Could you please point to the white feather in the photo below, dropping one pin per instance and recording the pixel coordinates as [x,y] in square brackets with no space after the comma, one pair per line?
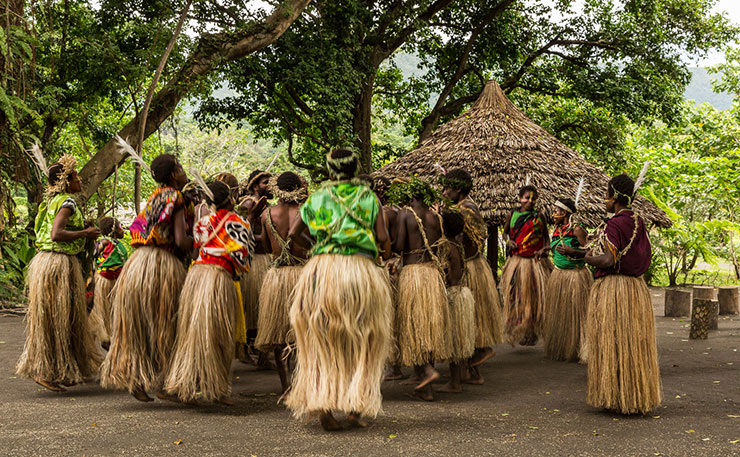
[38,158]
[529,179]
[272,162]
[123,145]
[641,177]
[579,190]
[440,168]
[201,182]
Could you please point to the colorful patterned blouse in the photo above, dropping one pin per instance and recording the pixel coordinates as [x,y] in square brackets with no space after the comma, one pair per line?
[526,230]
[48,210]
[565,235]
[110,259]
[226,240]
[154,225]
[341,216]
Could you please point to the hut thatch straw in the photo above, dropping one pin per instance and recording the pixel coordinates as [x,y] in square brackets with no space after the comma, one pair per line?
[499,146]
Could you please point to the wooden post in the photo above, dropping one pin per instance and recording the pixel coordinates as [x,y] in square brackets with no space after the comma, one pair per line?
[714,315]
[700,319]
[728,300]
[677,302]
[705,292]
[492,248]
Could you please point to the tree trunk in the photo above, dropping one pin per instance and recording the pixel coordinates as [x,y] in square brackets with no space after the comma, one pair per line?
[362,125]
[211,52]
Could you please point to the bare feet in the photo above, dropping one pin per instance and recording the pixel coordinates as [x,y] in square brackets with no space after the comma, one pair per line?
[69,383]
[162,395]
[355,420]
[263,363]
[482,356]
[329,423]
[431,376]
[141,395]
[450,388]
[52,386]
[393,373]
[226,401]
[475,377]
[425,394]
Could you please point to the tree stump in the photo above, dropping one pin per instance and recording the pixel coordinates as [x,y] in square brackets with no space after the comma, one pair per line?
[705,292]
[728,300]
[677,303]
[700,319]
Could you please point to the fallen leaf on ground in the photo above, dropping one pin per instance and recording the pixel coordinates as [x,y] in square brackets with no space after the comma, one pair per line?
[734,441]
[532,427]
[391,436]
[595,433]
[94,424]
[705,439]
[259,395]
[715,382]
[690,431]
[505,414]
[177,443]
[734,416]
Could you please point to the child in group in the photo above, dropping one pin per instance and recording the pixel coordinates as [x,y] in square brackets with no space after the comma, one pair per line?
[110,256]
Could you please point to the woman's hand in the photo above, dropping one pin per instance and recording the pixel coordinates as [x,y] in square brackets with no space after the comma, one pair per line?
[91,233]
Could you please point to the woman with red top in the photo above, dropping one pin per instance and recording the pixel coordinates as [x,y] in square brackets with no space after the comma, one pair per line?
[209,302]
[146,293]
[623,373]
[524,277]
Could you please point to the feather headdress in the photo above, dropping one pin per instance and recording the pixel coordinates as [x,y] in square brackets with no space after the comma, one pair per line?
[125,147]
[38,158]
[529,180]
[641,177]
[198,178]
[579,190]
[440,168]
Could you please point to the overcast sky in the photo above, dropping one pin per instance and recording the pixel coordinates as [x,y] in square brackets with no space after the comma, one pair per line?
[732,8]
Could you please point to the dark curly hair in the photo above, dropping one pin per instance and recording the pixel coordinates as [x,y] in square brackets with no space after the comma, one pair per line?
[289,181]
[221,194]
[457,178]
[453,223]
[569,203]
[622,188]
[162,168]
[107,226]
[228,179]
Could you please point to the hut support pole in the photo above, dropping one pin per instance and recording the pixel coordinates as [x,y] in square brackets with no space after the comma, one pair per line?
[493,249]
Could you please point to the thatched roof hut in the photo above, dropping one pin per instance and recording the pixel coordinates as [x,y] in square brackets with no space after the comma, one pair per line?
[499,146]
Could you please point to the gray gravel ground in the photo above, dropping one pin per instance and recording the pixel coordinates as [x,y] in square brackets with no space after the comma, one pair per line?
[528,406]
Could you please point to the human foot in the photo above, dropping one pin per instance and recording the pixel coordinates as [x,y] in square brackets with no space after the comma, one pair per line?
[393,373]
[162,395]
[52,386]
[226,401]
[425,394]
[431,376]
[329,423]
[481,357]
[450,388]
[355,420]
[141,395]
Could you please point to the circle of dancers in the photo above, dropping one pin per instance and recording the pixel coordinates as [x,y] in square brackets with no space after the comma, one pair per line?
[352,282]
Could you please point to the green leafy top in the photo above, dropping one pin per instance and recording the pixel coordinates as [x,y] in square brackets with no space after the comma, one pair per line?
[401,193]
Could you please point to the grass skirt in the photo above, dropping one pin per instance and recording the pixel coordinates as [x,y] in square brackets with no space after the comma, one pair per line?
[206,324]
[522,287]
[59,347]
[623,373]
[565,320]
[145,300]
[102,314]
[462,322]
[422,321]
[251,284]
[488,321]
[341,316]
[275,300]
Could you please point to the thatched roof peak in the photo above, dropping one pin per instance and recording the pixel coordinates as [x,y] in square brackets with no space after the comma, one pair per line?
[500,146]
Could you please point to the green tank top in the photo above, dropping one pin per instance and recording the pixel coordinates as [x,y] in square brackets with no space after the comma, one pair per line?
[341,216]
[48,210]
[566,238]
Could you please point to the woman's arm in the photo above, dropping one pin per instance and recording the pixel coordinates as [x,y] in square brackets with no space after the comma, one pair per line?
[265,238]
[297,234]
[381,234]
[182,239]
[60,234]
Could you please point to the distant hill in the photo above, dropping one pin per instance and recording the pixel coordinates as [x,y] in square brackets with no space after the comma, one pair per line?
[700,90]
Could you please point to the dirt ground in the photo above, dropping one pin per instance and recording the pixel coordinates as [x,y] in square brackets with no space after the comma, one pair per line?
[528,406]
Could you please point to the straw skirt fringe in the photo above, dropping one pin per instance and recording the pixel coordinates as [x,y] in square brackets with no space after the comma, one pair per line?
[276,297]
[206,324]
[488,321]
[102,314]
[522,287]
[145,300]
[59,347]
[565,320]
[422,321]
[623,373]
[462,322]
[341,316]
[251,284]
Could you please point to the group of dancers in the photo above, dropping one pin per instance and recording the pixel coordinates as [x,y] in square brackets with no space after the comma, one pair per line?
[353,282]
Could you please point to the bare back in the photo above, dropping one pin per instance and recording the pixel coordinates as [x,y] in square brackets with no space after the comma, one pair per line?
[414,249]
[471,248]
[275,230]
